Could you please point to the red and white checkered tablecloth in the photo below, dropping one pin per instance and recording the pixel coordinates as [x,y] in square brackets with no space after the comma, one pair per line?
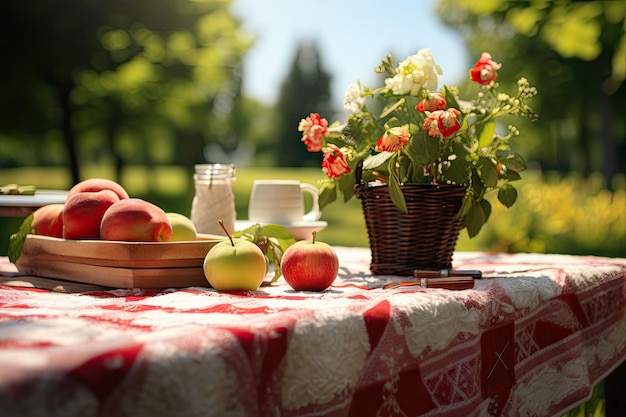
[531,342]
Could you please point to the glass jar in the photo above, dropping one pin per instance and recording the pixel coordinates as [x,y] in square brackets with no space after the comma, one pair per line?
[214,199]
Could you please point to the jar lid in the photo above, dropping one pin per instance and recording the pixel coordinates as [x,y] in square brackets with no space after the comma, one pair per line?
[207,172]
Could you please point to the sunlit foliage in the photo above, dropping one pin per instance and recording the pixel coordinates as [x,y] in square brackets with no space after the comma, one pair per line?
[575,53]
[557,214]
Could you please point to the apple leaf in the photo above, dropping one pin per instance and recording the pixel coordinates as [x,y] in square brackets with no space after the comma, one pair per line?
[275,230]
[273,239]
[16,242]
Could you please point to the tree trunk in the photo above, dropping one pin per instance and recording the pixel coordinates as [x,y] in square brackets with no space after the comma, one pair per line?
[584,144]
[113,126]
[609,148]
[69,135]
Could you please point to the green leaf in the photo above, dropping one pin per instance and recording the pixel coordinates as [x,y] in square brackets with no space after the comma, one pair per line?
[475,219]
[486,208]
[465,206]
[274,237]
[395,192]
[512,160]
[414,129]
[391,108]
[328,194]
[477,185]
[507,195]
[375,161]
[512,175]
[276,257]
[16,242]
[488,173]
[458,172]
[423,149]
[486,134]
[346,186]
[450,97]
[276,230]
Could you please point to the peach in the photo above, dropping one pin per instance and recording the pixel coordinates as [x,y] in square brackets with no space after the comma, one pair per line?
[135,220]
[48,220]
[83,213]
[98,184]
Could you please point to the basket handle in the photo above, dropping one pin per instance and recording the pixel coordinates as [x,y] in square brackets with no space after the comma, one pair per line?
[358,173]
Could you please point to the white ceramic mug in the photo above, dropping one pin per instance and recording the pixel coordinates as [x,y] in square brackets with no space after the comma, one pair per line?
[282,202]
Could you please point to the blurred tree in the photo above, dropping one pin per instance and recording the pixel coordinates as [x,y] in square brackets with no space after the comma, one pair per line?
[306,87]
[574,52]
[117,81]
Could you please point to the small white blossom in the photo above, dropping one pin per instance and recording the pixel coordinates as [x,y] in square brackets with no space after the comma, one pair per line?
[353,100]
[414,73]
[503,97]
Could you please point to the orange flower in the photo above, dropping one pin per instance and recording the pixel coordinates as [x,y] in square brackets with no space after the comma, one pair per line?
[313,129]
[434,102]
[393,139]
[334,164]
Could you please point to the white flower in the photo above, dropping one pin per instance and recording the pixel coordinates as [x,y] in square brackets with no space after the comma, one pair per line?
[353,100]
[414,73]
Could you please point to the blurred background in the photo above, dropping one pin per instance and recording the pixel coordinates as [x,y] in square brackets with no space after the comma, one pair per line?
[139,92]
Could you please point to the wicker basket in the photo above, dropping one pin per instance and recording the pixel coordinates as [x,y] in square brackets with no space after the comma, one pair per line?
[422,238]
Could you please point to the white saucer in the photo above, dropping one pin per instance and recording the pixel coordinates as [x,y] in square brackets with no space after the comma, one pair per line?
[300,231]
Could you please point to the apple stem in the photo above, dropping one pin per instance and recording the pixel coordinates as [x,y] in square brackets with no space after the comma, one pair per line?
[226,231]
[313,233]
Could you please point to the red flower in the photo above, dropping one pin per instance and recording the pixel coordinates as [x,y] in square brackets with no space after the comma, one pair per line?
[434,102]
[313,129]
[448,122]
[393,139]
[334,164]
[484,70]
[442,123]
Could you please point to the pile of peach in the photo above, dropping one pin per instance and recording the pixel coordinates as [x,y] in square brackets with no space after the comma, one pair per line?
[98,208]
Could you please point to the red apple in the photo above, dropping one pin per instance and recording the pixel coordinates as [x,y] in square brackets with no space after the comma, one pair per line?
[98,184]
[135,220]
[48,220]
[83,212]
[310,265]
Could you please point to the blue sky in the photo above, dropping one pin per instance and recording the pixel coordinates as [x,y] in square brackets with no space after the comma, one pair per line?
[353,36]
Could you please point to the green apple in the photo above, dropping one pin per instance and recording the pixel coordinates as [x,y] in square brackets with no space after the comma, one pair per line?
[235,264]
[183,228]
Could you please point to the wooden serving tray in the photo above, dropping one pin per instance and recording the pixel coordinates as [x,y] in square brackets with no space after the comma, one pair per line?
[118,264]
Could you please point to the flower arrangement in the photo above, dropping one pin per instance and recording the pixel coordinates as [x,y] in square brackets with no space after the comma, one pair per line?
[420,135]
